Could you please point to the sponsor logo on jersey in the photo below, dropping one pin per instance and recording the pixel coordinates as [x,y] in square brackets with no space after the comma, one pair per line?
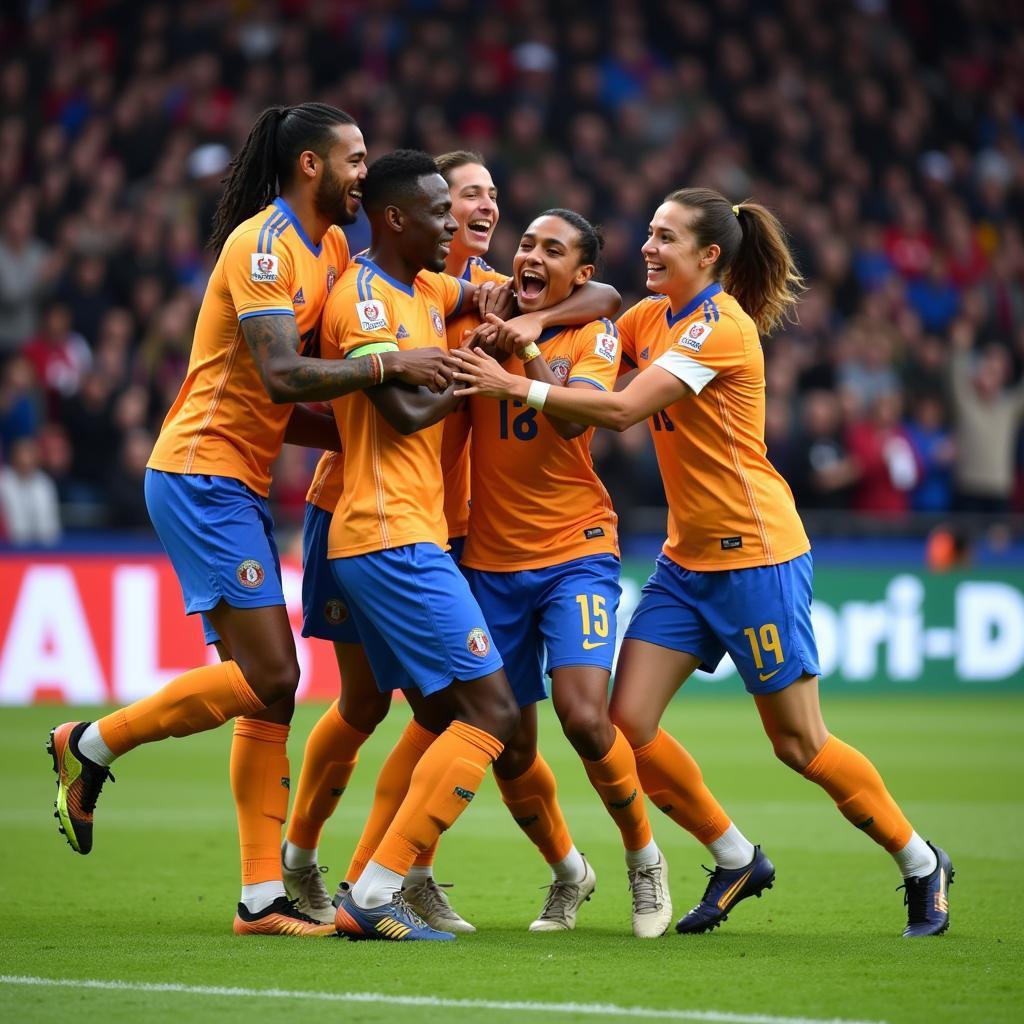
[478,642]
[335,612]
[298,299]
[437,320]
[694,336]
[606,346]
[730,543]
[263,267]
[250,574]
[560,368]
[371,315]
[401,332]
[591,532]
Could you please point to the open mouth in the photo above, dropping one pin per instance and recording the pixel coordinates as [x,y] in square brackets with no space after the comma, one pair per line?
[655,268]
[444,245]
[355,195]
[480,228]
[531,284]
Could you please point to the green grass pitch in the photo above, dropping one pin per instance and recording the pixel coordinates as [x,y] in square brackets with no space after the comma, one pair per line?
[154,901]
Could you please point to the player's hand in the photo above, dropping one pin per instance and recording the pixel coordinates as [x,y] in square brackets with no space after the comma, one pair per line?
[517,333]
[496,299]
[427,367]
[479,374]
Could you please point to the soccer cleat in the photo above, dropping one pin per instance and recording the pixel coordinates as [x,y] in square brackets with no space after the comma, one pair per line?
[563,901]
[79,782]
[282,917]
[394,922]
[306,889]
[726,887]
[927,898]
[652,904]
[430,902]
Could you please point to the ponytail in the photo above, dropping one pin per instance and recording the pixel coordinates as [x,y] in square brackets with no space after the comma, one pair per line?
[265,163]
[755,265]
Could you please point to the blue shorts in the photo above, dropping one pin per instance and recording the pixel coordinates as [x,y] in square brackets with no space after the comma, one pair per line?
[219,536]
[456,545]
[418,621]
[761,616]
[325,613]
[565,611]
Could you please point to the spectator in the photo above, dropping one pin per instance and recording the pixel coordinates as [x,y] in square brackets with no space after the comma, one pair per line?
[126,496]
[59,356]
[887,469]
[935,453]
[28,498]
[823,472]
[21,406]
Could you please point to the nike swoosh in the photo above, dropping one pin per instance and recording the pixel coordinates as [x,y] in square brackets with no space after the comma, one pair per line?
[589,645]
[765,676]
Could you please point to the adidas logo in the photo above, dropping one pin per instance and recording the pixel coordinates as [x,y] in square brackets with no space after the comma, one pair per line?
[866,823]
[468,794]
[298,299]
[618,805]
[526,822]
[401,332]
[646,352]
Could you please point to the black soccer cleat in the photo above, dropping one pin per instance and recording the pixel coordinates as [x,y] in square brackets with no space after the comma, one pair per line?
[927,898]
[726,887]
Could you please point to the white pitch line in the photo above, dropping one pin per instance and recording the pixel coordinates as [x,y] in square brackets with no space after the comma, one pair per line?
[583,1009]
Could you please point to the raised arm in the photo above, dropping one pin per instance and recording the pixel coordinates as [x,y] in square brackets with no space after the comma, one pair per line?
[273,341]
[649,392]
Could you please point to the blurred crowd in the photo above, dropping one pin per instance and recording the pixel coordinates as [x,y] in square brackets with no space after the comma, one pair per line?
[888,135]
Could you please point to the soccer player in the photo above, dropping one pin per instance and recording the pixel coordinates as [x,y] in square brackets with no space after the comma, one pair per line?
[296,179]
[541,557]
[413,609]
[735,573]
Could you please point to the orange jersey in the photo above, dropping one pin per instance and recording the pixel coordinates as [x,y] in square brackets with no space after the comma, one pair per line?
[455,442]
[728,507]
[537,500]
[392,491]
[223,422]
[328,481]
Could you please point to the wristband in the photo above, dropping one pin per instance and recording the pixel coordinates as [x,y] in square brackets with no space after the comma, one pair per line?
[538,394]
[378,368]
[528,352]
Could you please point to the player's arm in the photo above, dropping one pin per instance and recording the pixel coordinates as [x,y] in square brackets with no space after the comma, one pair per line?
[538,369]
[288,377]
[409,409]
[309,428]
[654,389]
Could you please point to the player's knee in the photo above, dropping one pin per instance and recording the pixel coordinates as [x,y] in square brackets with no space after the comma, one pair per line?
[794,751]
[588,729]
[505,718]
[633,724]
[272,679]
[366,713]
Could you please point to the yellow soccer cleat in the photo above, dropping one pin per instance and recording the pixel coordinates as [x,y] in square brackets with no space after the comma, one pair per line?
[79,782]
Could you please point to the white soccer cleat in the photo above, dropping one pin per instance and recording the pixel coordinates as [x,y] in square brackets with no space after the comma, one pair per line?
[563,901]
[428,899]
[305,886]
[652,904]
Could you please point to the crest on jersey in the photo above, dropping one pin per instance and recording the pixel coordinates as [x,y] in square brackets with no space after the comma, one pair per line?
[250,574]
[560,368]
[332,276]
[438,321]
[371,315]
[263,267]
[606,346]
[478,642]
[335,612]
[694,336]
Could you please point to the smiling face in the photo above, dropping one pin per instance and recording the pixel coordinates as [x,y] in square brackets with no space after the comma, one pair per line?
[338,193]
[675,265]
[475,208]
[547,266]
[428,225]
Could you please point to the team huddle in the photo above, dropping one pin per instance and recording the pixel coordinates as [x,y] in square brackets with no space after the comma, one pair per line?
[459,546]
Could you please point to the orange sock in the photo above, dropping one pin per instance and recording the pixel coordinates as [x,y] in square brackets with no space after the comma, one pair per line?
[259,782]
[392,786]
[860,794]
[673,781]
[532,799]
[616,781]
[330,757]
[192,702]
[444,782]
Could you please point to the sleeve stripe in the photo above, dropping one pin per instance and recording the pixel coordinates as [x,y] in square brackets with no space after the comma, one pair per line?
[588,380]
[609,327]
[267,232]
[462,296]
[267,312]
[359,283]
[371,347]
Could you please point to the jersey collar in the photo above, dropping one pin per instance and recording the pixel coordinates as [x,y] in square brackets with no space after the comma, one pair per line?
[283,206]
[406,289]
[548,333]
[712,289]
